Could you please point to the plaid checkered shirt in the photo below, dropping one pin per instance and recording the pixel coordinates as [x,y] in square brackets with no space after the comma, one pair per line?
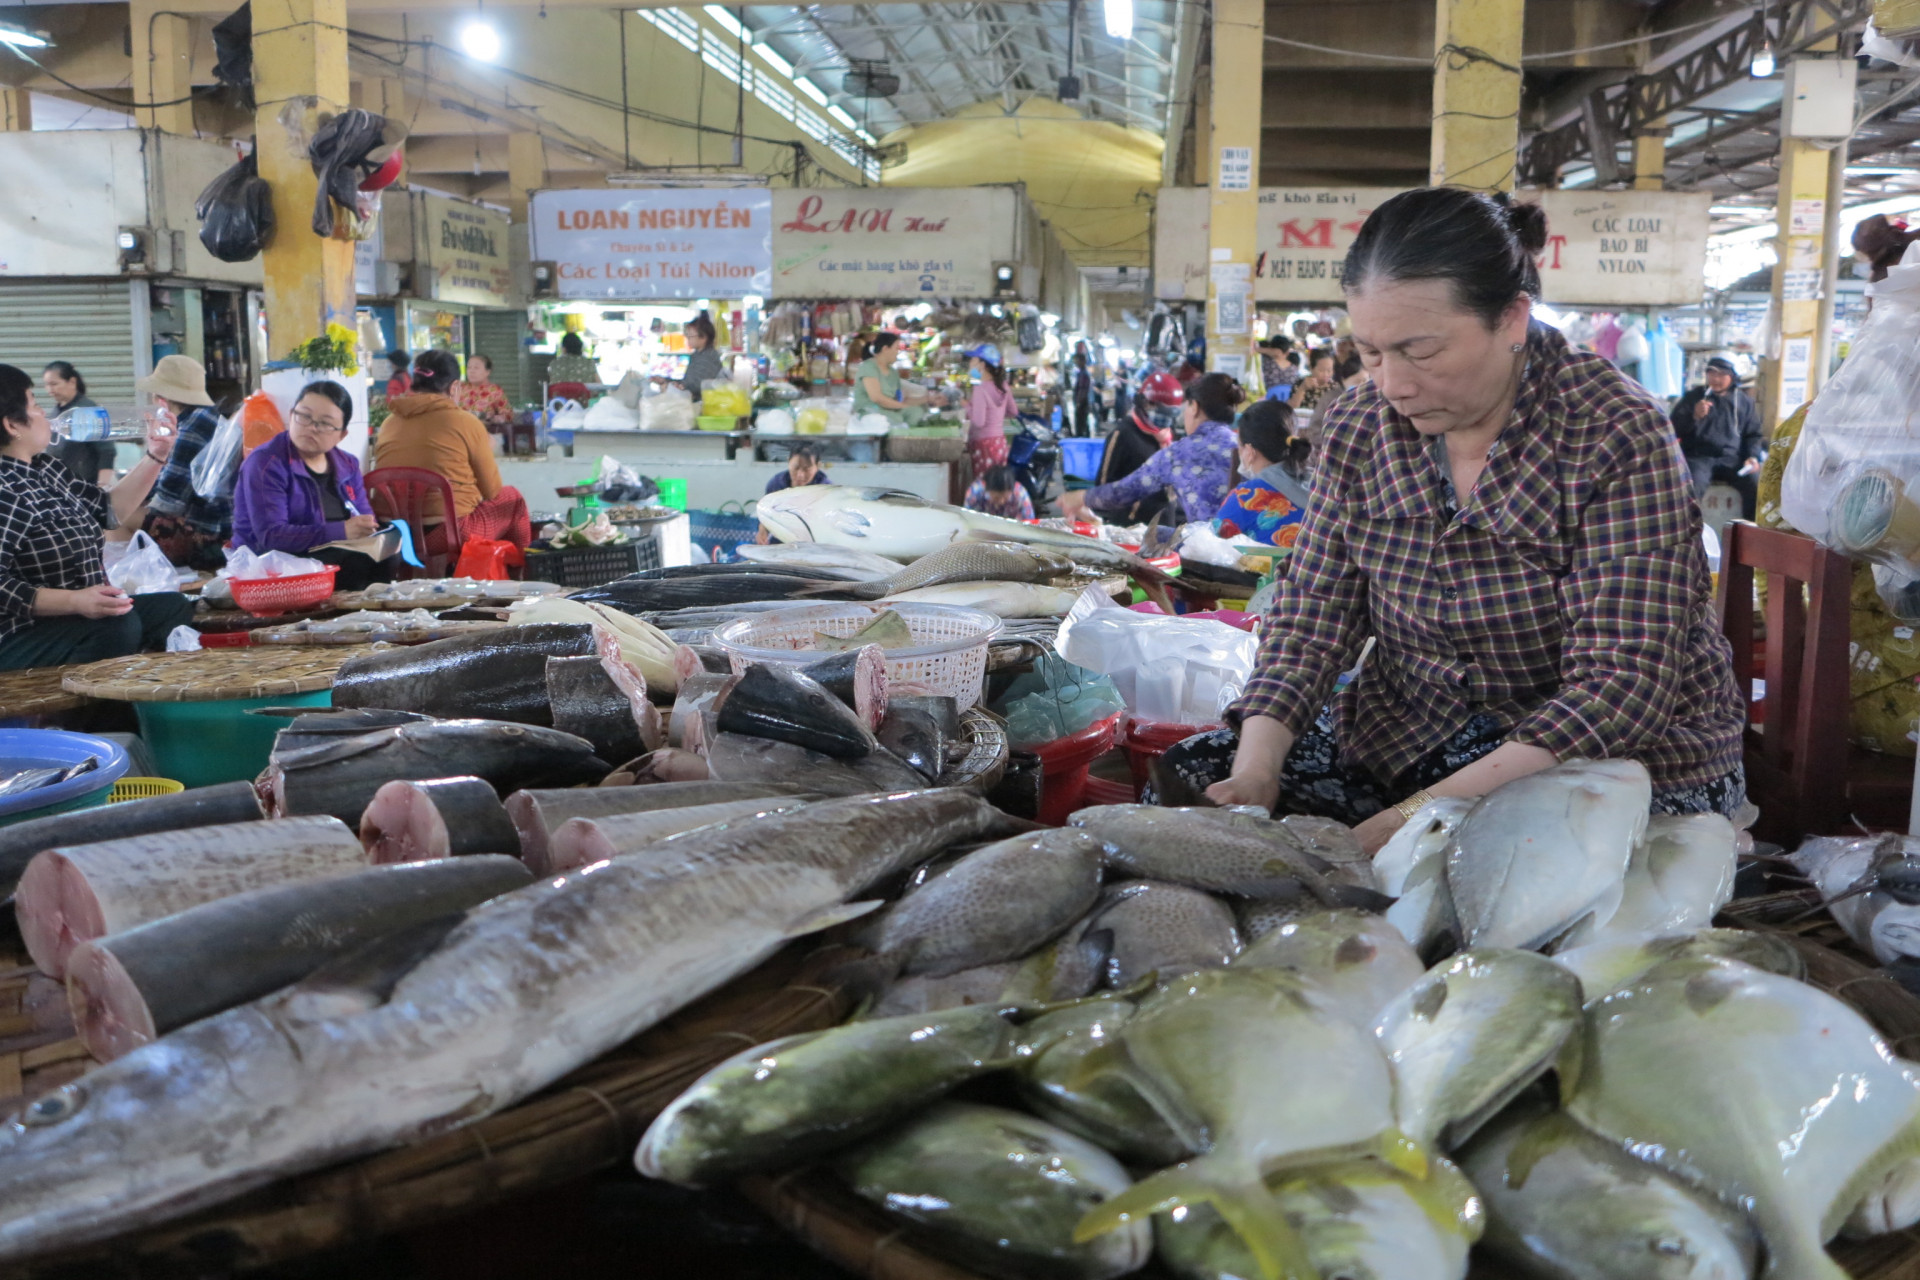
[50,527]
[1568,596]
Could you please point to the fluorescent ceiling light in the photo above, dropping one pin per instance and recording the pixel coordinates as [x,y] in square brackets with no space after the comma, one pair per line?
[732,24]
[20,38]
[1119,15]
[811,89]
[1746,235]
[774,60]
[866,137]
[1849,219]
[479,40]
[1878,170]
[840,114]
[1763,61]
[1737,211]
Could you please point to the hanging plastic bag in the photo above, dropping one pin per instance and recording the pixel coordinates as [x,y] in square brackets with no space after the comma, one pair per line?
[1056,700]
[213,469]
[144,568]
[236,213]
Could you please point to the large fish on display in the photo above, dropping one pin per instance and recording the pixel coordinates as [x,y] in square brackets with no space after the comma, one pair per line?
[519,993]
[489,675]
[906,526]
[660,595]
[202,807]
[970,561]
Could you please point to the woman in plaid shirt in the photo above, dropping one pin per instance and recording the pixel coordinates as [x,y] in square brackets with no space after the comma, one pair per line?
[1511,522]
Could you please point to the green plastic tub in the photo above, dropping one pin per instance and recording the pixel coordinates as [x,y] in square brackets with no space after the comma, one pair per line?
[203,743]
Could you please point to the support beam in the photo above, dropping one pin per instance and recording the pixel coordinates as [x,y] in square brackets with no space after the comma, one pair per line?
[162,43]
[1650,161]
[1476,93]
[1233,168]
[300,57]
[526,172]
[16,111]
[1797,282]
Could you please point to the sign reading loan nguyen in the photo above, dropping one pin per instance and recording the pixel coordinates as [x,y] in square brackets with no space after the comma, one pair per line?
[634,245]
[466,245]
[876,242]
[1618,248]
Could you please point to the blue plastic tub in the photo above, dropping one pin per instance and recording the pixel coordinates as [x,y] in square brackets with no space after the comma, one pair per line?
[49,748]
[203,743]
[1080,457]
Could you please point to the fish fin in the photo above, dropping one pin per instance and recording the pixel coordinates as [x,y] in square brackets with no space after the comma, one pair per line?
[365,978]
[828,917]
[1357,897]
[894,497]
[1902,1146]
[1403,1153]
[333,752]
[1250,1210]
[1570,1064]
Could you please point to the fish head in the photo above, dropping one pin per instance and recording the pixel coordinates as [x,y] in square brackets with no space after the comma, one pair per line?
[1647,1235]
[789,514]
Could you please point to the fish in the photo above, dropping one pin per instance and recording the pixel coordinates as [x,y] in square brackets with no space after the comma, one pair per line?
[1082,1081]
[819,555]
[968,562]
[694,705]
[1001,1191]
[70,894]
[1762,1090]
[1411,868]
[1561,1202]
[1200,849]
[1864,884]
[711,569]
[734,757]
[1163,929]
[220,805]
[318,728]
[668,764]
[341,777]
[997,903]
[1356,1221]
[693,660]
[915,734]
[1544,853]
[986,984]
[780,703]
[580,842]
[1352,962]
[1324,838]
[21,781]
[858,677]
[537,813]
[906,526]
[1617,963]
[490,675]
[1258,919]
[886,629]
[442,818]
[131,987]
[534,984]
[1002,599]
[659,595]
[643,646]
[588,704]
[790,1101]
[1223,1053]
[1679,876]
[1067,969]
[1470,1035]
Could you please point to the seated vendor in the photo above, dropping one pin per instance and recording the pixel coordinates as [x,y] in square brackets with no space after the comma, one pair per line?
[189,526]
[1197,469]
[1507,519]
[803,468]
[55,605]
[300,491]
[1269,503]
[999,493]
[427,429]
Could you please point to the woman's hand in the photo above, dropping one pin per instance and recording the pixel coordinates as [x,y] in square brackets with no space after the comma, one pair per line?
[362,527]
[1246,788]
[160,434]
[1073,505]
[103,601]
[1377,830]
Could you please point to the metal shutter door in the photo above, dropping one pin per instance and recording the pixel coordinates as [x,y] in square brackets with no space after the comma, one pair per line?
[87,322]
[498,335]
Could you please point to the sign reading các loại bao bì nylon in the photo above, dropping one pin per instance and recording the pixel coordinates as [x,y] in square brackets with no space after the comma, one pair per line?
[639,244]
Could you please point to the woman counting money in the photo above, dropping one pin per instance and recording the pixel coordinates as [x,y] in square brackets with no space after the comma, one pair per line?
[1509,520]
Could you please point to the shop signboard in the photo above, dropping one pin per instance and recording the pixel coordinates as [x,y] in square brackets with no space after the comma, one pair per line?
[637,244]
[876,242]
[1304,232]
[465,245]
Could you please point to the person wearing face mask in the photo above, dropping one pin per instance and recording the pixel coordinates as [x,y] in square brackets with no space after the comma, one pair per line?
[989,405]
[1509,521]
[1720,437]
[1268,504]
[1198,469]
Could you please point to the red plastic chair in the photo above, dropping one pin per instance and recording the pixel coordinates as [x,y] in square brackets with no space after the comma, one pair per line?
[401,493]
[576,391]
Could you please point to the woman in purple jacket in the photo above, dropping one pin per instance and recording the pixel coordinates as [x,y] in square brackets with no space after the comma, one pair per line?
[298,492]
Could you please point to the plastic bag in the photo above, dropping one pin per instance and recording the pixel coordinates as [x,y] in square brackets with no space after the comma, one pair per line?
[608,414]
[183,639]
[669,410]
[260,421]
[243,563]
[213,469]
[143,569]
[724,398]
[1054,700]
[570,416]
[811,420]
[869,424]
[1198,542]
[488,560]
[236,213]
[1183,670]
[775,422]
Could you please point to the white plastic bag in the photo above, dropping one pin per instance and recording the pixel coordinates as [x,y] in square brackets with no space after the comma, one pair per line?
[243,563]
[213,469]
[144,569]
[869,424]
[670,409]
[183,639]
[608,414]
[774,422]
[1183,670]
[1200,543]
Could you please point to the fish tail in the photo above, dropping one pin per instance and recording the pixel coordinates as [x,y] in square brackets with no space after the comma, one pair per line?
[1249,1209]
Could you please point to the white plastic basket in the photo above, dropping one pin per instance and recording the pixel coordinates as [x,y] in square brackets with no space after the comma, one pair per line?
[949,655]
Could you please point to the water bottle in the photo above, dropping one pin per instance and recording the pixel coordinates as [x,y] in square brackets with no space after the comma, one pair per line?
[83,423]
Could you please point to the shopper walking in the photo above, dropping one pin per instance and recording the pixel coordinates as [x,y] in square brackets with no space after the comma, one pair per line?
[88,459]
[189,526]
[989,405]
[1080,378]
[1719,431]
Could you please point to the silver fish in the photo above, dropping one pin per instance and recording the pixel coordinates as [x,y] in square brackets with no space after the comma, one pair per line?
[1002,599]
[972,561]
[1204,849]
[1162,929]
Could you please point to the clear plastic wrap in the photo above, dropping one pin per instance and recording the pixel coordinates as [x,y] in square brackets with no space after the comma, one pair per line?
[1181,670]
[670,409]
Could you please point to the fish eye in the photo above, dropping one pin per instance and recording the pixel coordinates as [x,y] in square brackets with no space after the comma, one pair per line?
[59,1105]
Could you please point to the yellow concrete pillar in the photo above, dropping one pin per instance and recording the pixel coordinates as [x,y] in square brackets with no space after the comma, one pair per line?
[16,111]
[1650,161]
[526,172]
[1476,93]
[1232,162]
[162,43]
[1797,282]
[299,56]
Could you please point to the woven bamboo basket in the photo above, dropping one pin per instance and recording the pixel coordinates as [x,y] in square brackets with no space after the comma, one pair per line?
[987,753]
[865,1242]
[37,691]
[208,675]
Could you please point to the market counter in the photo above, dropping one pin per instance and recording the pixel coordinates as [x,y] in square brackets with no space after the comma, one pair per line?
[711,483]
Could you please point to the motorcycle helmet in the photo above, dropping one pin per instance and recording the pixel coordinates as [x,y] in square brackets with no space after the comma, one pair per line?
[987,351]
[1159,401]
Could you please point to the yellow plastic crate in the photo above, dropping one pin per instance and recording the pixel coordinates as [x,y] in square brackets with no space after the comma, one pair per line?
[143,789]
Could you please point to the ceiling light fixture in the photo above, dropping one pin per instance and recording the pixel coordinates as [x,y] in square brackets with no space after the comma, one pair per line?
[1763,60]
[21,38]
[1119,15]
[480,41]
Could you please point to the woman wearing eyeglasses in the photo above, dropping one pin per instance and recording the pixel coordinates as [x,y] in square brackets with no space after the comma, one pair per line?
[299,491]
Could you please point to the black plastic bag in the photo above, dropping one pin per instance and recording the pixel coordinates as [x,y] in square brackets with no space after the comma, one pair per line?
[233,52]
[236,213]
[345,151]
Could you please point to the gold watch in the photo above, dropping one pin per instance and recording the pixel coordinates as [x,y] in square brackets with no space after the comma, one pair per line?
[1414,803]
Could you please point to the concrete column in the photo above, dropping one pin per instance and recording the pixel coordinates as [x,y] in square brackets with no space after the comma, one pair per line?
[1476,93]
[162,44]
[1650,161]
[526,172]
[300,56]
[1797,277]
[1232,163]
[16,111]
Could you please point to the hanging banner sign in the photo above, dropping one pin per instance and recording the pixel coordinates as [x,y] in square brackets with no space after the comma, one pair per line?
[466,246]
[872,242]
[1604,248]
[632,245]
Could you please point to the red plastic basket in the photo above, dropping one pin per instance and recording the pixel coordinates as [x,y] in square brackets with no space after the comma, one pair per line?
[226,639]
[1063,768]
[1147,740]
[265,597]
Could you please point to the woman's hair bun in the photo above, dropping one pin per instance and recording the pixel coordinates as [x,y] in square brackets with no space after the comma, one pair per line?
[1527,221]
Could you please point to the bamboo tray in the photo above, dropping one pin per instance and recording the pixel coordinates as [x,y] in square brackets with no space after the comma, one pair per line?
[37,691]
[208,675]
[591,1120]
